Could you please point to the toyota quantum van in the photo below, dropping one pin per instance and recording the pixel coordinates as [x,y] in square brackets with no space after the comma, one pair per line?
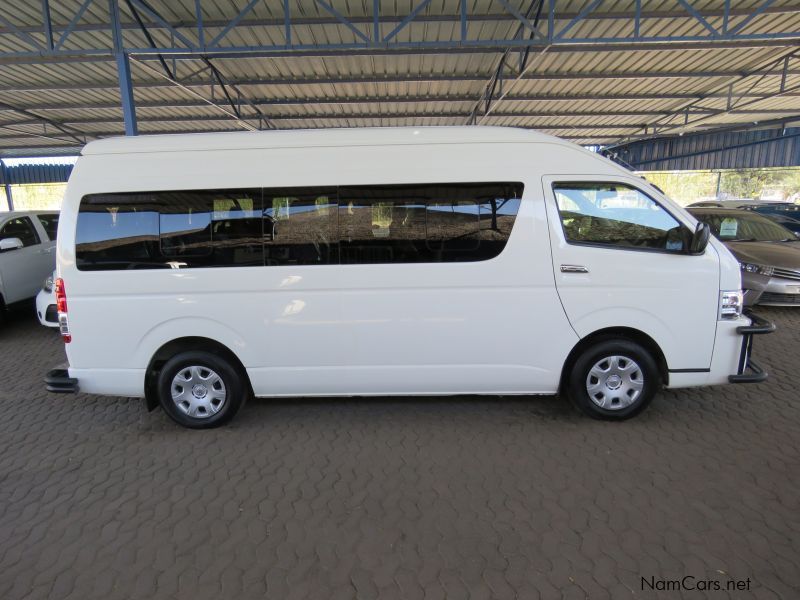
[195,271]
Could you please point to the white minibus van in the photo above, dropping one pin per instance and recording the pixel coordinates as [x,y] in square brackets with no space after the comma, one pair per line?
[198,270]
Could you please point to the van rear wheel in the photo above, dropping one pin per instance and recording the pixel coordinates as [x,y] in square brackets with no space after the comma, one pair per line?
[200,390]
[614,379]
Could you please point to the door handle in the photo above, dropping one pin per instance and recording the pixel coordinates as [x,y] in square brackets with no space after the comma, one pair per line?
[574,269]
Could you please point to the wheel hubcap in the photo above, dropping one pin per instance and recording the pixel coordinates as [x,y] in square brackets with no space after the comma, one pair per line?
[198,392]
[615,382]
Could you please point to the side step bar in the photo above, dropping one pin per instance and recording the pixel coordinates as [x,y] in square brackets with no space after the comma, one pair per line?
[749,370]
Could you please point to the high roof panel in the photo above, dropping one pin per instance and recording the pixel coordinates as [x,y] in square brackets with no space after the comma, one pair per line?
[366,136]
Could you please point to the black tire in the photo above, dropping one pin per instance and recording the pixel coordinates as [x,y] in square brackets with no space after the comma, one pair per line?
[642,370]
[235,389]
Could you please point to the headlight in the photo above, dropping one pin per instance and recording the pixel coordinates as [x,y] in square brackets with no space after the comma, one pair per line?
[730,304]
[753,268]
[48,284]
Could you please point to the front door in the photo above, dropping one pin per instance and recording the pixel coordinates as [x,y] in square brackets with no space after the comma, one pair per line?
[620,260]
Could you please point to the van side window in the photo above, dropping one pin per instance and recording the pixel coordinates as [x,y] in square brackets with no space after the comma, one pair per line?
[117,231]
[616,215]
[20,228]
[201,228]
[380,224]
[300,226]
[210,228]
[426,223]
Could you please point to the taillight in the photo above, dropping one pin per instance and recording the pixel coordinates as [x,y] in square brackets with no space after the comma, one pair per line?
[61,305]
[61,296]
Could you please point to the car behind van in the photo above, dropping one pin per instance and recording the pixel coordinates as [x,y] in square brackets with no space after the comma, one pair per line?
[27,254]
[768,254]
[196,271]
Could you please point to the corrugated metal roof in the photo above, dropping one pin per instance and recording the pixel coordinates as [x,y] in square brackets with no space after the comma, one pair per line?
[722,150]
[34,173]
[592,97]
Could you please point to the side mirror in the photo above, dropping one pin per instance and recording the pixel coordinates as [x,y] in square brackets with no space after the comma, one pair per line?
[10,244]
[700,239]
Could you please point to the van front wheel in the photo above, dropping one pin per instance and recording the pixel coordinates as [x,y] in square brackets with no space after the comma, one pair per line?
[614,379]
[200,390]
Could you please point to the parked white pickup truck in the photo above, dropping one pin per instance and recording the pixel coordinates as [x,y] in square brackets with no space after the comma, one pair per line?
[27,254]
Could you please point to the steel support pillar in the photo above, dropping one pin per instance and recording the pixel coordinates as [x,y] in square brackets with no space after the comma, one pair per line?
[126,94]
[9,198]
[6,185]
[123,72]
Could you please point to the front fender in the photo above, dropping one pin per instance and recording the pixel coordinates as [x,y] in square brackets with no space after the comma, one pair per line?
[628,317]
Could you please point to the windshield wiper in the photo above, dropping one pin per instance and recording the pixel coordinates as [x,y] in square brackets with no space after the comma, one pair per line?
[743,240]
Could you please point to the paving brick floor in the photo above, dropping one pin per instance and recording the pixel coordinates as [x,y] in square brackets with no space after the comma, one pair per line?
[393,498]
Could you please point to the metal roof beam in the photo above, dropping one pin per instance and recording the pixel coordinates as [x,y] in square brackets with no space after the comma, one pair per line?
[327,116]
[739,94]
[587,129]
[394,78]
[322,116]
[188,44]
[421,49]
[505,70]
[45,122]
[429,18]
[217,75]
[378,115]
[602,97]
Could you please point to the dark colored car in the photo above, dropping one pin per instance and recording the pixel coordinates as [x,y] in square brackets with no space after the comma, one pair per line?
[768,253]
[785,214]
[725,204]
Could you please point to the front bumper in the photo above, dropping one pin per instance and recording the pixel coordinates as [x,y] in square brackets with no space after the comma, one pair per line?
[46,309]
[750,371]
[780,291]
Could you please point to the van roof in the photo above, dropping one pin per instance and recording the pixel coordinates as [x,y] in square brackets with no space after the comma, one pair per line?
[371,136]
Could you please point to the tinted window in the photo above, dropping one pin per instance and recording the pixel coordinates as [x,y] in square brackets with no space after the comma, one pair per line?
[612,214]
[210,228]
[118,231]
[300,226]
[296,226]
[50,224]
[430,223]
[203,228]
[21,228]
[788,222]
